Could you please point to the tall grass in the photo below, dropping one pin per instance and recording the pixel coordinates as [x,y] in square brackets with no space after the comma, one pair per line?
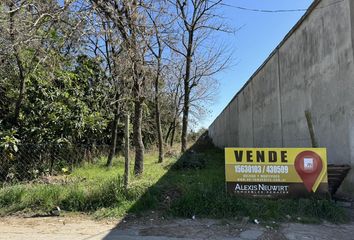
[173,191]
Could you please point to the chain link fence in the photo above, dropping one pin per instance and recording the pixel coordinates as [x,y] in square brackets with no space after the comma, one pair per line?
[30,161]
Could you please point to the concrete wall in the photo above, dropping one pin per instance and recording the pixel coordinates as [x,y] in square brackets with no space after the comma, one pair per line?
[312,69]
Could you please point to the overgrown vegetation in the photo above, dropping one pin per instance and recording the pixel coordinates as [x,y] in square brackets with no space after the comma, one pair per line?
[72,71]
[163,188]
[89,188]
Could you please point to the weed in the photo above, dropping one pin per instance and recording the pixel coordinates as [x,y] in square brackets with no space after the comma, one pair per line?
[173,191]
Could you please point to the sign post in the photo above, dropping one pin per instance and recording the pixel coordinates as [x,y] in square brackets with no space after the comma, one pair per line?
[276,172]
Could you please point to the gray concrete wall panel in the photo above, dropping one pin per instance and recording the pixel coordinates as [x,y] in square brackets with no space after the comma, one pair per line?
[245,124]
[266,114]
[312,69]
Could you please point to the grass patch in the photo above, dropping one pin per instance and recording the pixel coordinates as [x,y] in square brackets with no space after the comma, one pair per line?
[183,191]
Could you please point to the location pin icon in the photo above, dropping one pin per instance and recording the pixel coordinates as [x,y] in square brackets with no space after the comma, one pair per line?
[309,166]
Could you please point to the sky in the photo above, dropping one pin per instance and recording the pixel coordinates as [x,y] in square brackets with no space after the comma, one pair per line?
[258,35]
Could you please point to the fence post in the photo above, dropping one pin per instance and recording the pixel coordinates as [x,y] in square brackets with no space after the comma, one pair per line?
[311,129]
[126,152]
[51,155]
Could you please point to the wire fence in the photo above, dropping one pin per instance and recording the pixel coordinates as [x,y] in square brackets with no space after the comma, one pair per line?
[31,161]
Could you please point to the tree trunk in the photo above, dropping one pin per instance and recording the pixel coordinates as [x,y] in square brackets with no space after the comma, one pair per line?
[21,72]
[185,108]
[173,133]
[126,152]
[158,119]
[21,88]
[185,120]
[113,146]
[187,92]
[168,132]
[172,127]
[138,140]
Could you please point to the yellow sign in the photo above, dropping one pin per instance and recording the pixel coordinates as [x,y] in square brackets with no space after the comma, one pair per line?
[276,171]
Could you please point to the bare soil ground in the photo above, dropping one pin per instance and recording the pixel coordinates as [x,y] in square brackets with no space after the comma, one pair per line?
[153,228]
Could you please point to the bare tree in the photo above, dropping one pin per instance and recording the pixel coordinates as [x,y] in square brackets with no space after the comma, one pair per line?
[197,22]
[103,41]
[130,23]
[156,46]
[174,90]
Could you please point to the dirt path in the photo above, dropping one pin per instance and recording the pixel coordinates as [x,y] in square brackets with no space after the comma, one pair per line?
[82,228]
[52,228]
